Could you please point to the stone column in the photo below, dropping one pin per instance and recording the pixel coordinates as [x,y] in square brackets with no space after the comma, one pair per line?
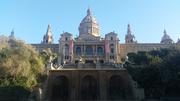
[103,85]
[93,50]
[82,51]
[96,49]
[74,86]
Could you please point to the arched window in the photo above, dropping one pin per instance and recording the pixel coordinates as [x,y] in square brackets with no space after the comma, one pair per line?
[100,51]
[89,50]
[78,51]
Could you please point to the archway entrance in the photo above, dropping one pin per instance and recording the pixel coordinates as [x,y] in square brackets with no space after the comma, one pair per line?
[60,89]
[116,88]
[89,88]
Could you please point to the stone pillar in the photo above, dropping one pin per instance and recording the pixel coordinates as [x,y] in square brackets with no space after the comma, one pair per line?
[71,48]
[93,50]
[96,49]
[49,87]
[103,85]
[82,50]
[107,49]
[74,86]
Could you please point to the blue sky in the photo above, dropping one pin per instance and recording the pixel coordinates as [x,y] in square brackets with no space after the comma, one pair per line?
[148,18]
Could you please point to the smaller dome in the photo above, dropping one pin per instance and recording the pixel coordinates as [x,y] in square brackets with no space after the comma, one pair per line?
[166,38]
[178,41]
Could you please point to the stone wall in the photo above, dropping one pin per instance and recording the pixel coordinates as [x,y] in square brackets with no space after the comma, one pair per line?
[41,47]
[80,84]
[124,49]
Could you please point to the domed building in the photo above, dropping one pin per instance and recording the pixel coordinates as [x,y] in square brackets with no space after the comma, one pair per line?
[91,65]
[88,45]
[89,26]
[166,39]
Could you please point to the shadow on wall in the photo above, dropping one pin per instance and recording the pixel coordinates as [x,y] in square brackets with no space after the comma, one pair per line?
[14,93]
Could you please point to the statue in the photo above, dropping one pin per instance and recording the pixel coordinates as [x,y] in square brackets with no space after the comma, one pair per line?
[81,60]
[97,61]
[56,67]
[126,60]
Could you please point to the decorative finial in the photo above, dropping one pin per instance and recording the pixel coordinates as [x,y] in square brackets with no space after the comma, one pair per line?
[49,26]
[128,25]
[12,32]
[129,29]
[49,30]
[89,11]
[165,31]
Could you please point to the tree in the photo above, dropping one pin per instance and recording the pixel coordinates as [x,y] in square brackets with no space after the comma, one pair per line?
[20,65]
[3,42]
[157,71]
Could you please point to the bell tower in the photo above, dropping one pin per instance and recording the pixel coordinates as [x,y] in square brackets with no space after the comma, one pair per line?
[48,37]
[130,38]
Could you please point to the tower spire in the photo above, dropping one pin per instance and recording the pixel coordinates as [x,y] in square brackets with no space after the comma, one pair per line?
[129,38]
[48,37]
[49,32]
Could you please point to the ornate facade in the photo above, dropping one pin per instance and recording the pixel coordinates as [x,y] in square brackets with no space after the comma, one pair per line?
[91,69]
[90,47]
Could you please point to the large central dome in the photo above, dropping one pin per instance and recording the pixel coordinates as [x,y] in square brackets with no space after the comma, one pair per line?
[89,26]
